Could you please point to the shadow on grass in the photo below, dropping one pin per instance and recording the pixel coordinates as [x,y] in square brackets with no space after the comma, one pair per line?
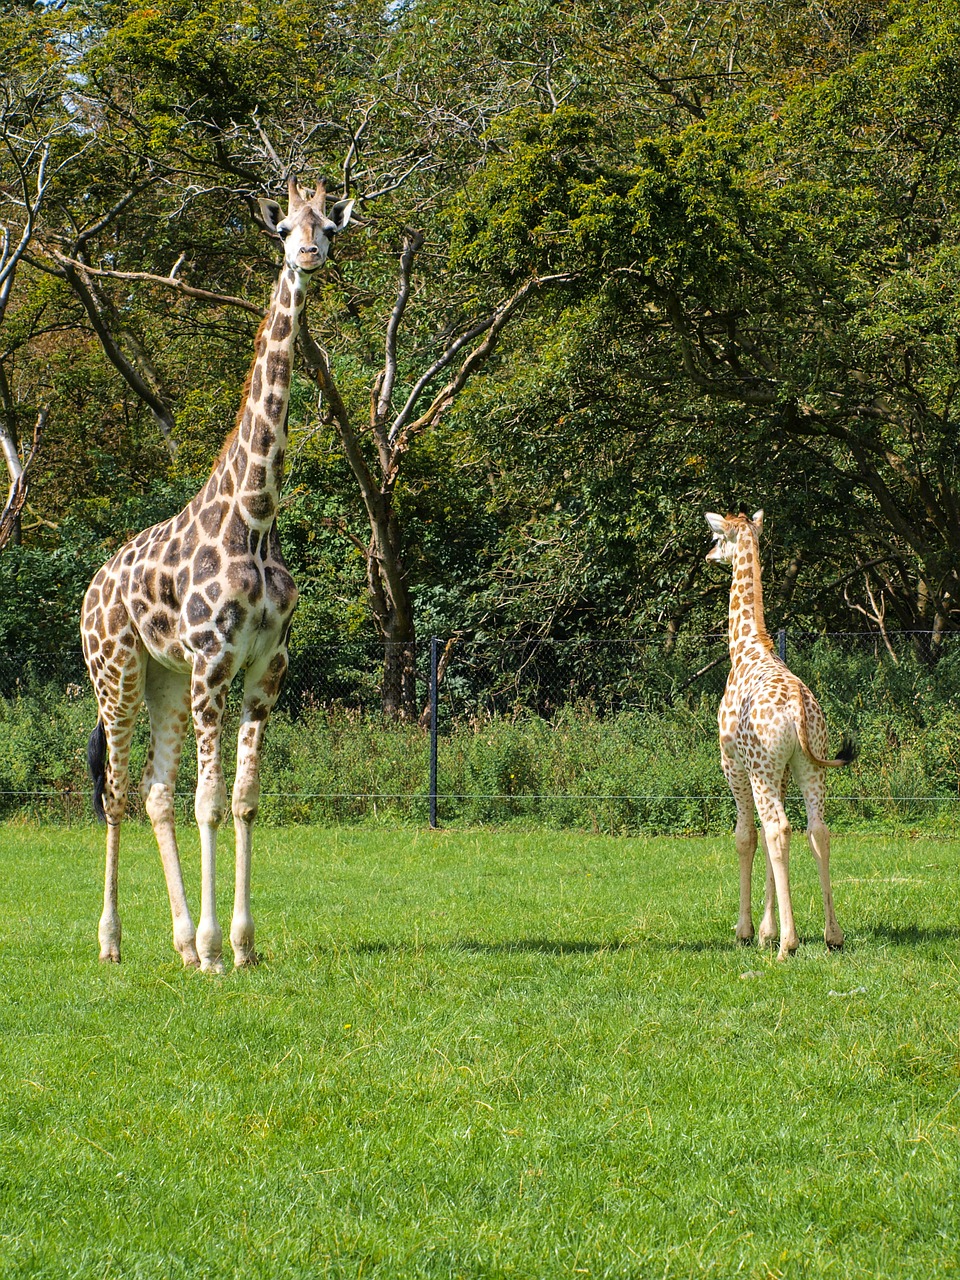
[542,946]
[909,935]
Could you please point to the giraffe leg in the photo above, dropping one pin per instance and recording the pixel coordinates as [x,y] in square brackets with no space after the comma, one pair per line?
[108,930]
[769,929]
[246,800]
[776,832]
[811,781]
[118,683]
[209,702]
[260,693]
[168,700]
[745,837]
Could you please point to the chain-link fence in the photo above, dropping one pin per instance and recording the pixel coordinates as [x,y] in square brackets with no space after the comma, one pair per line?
[613,735]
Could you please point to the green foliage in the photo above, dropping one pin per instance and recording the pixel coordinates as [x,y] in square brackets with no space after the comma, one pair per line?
[757,202]
[625,771]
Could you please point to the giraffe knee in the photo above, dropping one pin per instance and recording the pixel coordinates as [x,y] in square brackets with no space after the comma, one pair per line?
[778,836]
[211,802]
[745,838]
[158,802]
[246,805]
[246,791]
[818,833]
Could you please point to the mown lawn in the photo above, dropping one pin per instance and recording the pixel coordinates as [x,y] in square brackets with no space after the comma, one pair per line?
[480,1054]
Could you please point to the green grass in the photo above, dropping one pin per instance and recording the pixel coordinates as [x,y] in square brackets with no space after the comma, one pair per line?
[480,1054]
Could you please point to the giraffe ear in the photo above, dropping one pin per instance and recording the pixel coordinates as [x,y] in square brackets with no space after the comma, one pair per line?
[758,520]
[717,524]
[271,213]
[339,214]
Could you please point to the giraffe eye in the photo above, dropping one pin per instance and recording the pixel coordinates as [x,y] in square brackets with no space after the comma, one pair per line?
[282,231]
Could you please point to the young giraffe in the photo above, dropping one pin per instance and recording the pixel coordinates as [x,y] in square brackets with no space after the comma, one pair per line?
[177,612]
[770,725]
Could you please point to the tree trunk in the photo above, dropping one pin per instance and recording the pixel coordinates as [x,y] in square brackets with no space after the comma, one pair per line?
[399,690]
[392,612]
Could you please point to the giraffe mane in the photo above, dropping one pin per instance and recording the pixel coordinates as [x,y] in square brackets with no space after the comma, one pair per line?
[225,447]
[763,635]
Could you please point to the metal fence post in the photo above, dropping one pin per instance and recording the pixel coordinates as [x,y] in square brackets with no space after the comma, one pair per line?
[434,698]
[782,644]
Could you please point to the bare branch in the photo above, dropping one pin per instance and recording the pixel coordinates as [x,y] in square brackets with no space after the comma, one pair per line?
[17,496]
[412,242]
[403,427]
[354,149]
[282,169]
[171,281]
[138,372]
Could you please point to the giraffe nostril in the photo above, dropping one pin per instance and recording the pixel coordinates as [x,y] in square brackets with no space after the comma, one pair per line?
[309,248]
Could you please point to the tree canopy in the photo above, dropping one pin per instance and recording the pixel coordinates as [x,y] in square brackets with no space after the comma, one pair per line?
[613,265]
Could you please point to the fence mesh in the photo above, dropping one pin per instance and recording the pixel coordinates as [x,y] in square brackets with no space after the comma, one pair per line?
[615,735]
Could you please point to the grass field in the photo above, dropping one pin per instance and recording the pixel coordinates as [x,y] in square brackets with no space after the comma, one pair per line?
[480,1054]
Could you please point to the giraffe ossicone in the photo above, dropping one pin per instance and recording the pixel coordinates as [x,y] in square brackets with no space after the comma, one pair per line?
[770,725]
[190,603]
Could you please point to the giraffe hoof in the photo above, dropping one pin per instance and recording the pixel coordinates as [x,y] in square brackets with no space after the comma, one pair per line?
[835,946]
[110,955]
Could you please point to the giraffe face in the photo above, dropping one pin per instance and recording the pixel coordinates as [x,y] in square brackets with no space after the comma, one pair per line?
[726,530]
[308,228]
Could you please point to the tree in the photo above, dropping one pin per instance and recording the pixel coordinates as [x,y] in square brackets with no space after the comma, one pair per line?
[32,124]
[785,268]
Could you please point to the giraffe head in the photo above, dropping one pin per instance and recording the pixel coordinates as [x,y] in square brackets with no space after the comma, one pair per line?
[308,227]
[726,530]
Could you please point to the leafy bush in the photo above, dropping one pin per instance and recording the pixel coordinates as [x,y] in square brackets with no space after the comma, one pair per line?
[625,772]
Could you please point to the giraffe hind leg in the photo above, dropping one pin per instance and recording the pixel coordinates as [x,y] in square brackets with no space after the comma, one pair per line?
[776,831]
[812,783]
[117,721]
[769,930]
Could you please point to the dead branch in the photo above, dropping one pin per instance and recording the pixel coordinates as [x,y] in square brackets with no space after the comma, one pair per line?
[424,720]
[171,281]
[17,495]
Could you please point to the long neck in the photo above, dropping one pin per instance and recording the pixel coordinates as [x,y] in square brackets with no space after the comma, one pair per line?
[255,453]
[747,628]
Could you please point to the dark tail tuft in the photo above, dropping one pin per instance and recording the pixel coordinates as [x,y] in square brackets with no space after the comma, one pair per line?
[849,749]
[97,765]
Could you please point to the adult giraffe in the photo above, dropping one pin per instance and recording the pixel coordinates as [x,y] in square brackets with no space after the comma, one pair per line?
[187,604]
[770,725]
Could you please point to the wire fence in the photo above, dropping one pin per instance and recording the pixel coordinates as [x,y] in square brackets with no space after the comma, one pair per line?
[608,734]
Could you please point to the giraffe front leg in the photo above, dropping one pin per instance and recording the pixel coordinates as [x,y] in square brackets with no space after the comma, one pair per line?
[246,800]
[260,693]
[210,806]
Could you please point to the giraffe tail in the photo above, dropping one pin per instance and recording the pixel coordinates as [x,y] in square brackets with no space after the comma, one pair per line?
[97,766]
[848,747]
